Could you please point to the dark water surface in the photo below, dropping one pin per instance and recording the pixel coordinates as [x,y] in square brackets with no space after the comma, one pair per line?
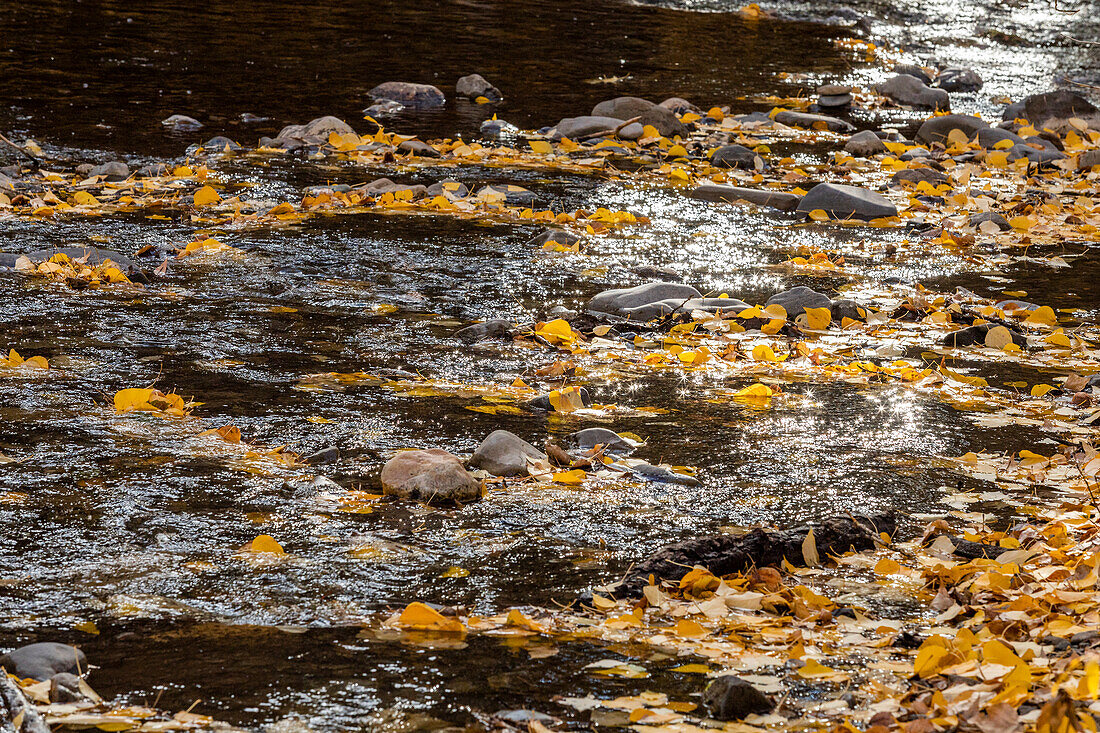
[131,523]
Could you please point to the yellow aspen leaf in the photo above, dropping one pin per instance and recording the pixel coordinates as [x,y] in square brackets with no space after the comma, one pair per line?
[809,550]
[998,337]
[424,618]
[930,657]
[134,398]
[818,319]
[692,669]
[206,196]
[1059,339]
[1089,687]
[85,199]
[1043,315]
[455,572]
[688,629]
[677,151]
[819,215]
[1021,222]
[1041,389]
[265,543]
[755,391]
[557,331]
[572,478]
[542,147]
[886,566]
[566,400]
[763,352]
[650,131]
[814,669]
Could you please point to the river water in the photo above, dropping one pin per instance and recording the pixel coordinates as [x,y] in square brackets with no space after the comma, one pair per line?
[127,524]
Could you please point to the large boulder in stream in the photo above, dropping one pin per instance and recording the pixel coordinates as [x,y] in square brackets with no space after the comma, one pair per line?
[416,96]
[841,201]
[505,454]
[43,660]
[431,476]
[313,133]
[865,144]
[912,92]
[736,156]
[576,128]
[936,129]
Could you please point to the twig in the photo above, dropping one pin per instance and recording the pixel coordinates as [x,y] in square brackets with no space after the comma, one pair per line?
[614,131]
[20,150]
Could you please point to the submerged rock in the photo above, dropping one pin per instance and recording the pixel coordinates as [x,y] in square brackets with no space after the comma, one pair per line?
[505,454]
[731,698]
[864,144]
[417,96]
[496,328]
[796,300]
[578,127]
[43,660]
[912,92]
[841,201]
[610,441]
[626,301]
[736,156]
[430,476]
[181,122]
[936,129]
[384,108]
[735,194]
[315,132]
[663,475]
[554,235]
[515,195]
[220,143]
[959,79]
[475,85]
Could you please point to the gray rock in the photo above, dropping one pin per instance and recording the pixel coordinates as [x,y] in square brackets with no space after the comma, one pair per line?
[796,300]
[308,488]
[611,442]
[430,476]
[712,305]
[989,136]
[734,194]
[43,660]
[181,122]
[325,455]
[384,108]
[912,92]
[1037,150]
[916,154]
[415,96]
[662,475]
[841,201]
[623,108]
[65,687]
[554,235]
[474,86]
[542,402]
[1054,109]
[834,95]
[380,186]
[959,79]
[314,132]
[735,156]
[498,128]
[864,144]
[633,131]
[804,119]
[977,220]
[524,717]
[448,187]
[913,70]
[219,143]
[1088,160]
[916,175]
[975,336]
[936,129]
[731,698]
[113,171]
[496,328]
[654,272]
[619,301]
[680,106]
[578,127]
[847,308]
[419,149]
[505,454]
[665,120]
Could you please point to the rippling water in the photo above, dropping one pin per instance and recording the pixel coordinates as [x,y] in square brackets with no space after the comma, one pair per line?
[128,524]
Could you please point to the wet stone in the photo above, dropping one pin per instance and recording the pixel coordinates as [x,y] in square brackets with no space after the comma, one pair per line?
[450,188]
[959,79]
[731,698]
[113,171]
[330,454]
[430,476]
[841,201]
[384,108]
[847,308]
[43,660]
[315,132]
[610,441]
[181,122]
[415,96]
[514,195]
[1054,110]
[736,156]
[679,105]
[912,92]
[977,220]
[622,301]
[810,121]
[419,149]
[65,687]
[542,402]
[796,300]
[474,86]
[558,236]
[505,454]
[913,70]
[578,127]
[496,328]
[219,143]
[654,272]
[913,176]
[864,144]
[735,194]
[936,129]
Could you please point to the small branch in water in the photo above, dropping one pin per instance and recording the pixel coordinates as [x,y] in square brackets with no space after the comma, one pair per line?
[37,162]
[615,131]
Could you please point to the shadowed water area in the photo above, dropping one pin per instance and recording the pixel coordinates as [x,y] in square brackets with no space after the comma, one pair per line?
[130,523]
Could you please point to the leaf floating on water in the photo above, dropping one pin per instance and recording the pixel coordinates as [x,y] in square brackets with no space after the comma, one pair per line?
[206,196]
[455,572]
[420,617]
[265,543]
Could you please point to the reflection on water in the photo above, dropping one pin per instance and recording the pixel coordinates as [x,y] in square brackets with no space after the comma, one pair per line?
[130,522]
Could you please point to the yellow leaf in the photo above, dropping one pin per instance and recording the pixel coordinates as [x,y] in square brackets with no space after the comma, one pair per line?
[998,337]
[1043,315]
[1041,389]
[134,398]
[886,566]
[688,628]
[85,199]
[1058,338]
[206,196]
[542,147]
[556,332]
[814,668]
[574,477]
[692,669]
[424,618]
[266,543]
[818,319]
[755,391]
[930,657]
[455,572]
[763,352]
[819,215]
[809,549]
